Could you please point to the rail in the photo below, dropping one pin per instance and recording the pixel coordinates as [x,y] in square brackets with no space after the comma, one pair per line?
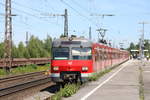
[23,86]
[21,76]
[13,84]
[24,61]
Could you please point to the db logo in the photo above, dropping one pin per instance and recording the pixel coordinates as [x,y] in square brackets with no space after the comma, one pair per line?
[69,63]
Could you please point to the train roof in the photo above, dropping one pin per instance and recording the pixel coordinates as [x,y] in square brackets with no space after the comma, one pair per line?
[108,47]
[73,41]
[80,41]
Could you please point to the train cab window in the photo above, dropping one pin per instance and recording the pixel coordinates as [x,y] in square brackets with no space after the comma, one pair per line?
[60,53]
[81,53]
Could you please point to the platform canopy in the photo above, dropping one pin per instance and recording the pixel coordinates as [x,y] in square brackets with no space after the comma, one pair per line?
[134,50]
[137,50]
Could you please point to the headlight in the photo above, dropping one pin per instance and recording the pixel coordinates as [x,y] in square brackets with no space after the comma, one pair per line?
[55,68]
[84,68]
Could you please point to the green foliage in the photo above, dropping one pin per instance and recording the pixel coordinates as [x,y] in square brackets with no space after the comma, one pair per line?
[133,46]
[67,91]
[47,65]
[95,76]
[48,44]
[57,96]
[136,47]
[15,51]
[62,36]
[36,48]
[34,66]
[1,50]
[2,72]
[147,47]
[21,50]
[26,53]
[25,69]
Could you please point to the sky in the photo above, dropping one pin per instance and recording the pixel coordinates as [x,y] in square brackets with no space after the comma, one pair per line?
[123,27]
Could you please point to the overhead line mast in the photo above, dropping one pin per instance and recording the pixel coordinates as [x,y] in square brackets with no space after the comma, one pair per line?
[142,40]
[65,15]
[66,23]
[8,36]
[102,31]
[90,33]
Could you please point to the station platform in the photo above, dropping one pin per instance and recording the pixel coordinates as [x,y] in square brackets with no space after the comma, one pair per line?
[146,79]
[122,83]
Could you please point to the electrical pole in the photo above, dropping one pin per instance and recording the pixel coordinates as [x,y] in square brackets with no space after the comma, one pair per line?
[65,15]
[66,23]
[142,39]
[110,43]
[90,33]
[121,45]
[102,32]
[102,15]
[27,39]
[8,36]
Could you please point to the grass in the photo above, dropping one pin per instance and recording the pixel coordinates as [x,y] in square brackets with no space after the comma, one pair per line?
[25,69]
[96,76]
[67,91]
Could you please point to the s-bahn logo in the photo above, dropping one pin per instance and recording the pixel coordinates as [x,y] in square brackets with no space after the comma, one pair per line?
[69,63]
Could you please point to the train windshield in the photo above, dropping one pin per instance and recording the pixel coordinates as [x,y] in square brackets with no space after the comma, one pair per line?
[81,53]
[60,53]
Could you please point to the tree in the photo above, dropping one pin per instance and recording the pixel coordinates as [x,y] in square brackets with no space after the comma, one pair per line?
[147,47]
[48,45]
[26,53]
[136,47]
[15,51]
[33,47]
[1,50]
[132,46]
[21,50]
[36,48]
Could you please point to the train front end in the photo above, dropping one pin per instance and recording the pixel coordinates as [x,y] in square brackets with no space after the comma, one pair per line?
[72,60]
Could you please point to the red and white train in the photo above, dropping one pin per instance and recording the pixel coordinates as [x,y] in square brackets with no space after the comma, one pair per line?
[79,58]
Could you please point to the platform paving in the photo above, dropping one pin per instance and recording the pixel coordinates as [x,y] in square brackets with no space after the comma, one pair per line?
[121,83]
[146,79]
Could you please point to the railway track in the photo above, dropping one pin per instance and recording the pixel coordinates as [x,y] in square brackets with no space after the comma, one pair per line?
[24,61]
[23,86]
[13,84]
[13,80]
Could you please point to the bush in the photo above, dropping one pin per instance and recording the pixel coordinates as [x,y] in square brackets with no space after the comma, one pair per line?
[67,91]
[93,78]
[34,66]
[25,69]
[57,96]
[2,72]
